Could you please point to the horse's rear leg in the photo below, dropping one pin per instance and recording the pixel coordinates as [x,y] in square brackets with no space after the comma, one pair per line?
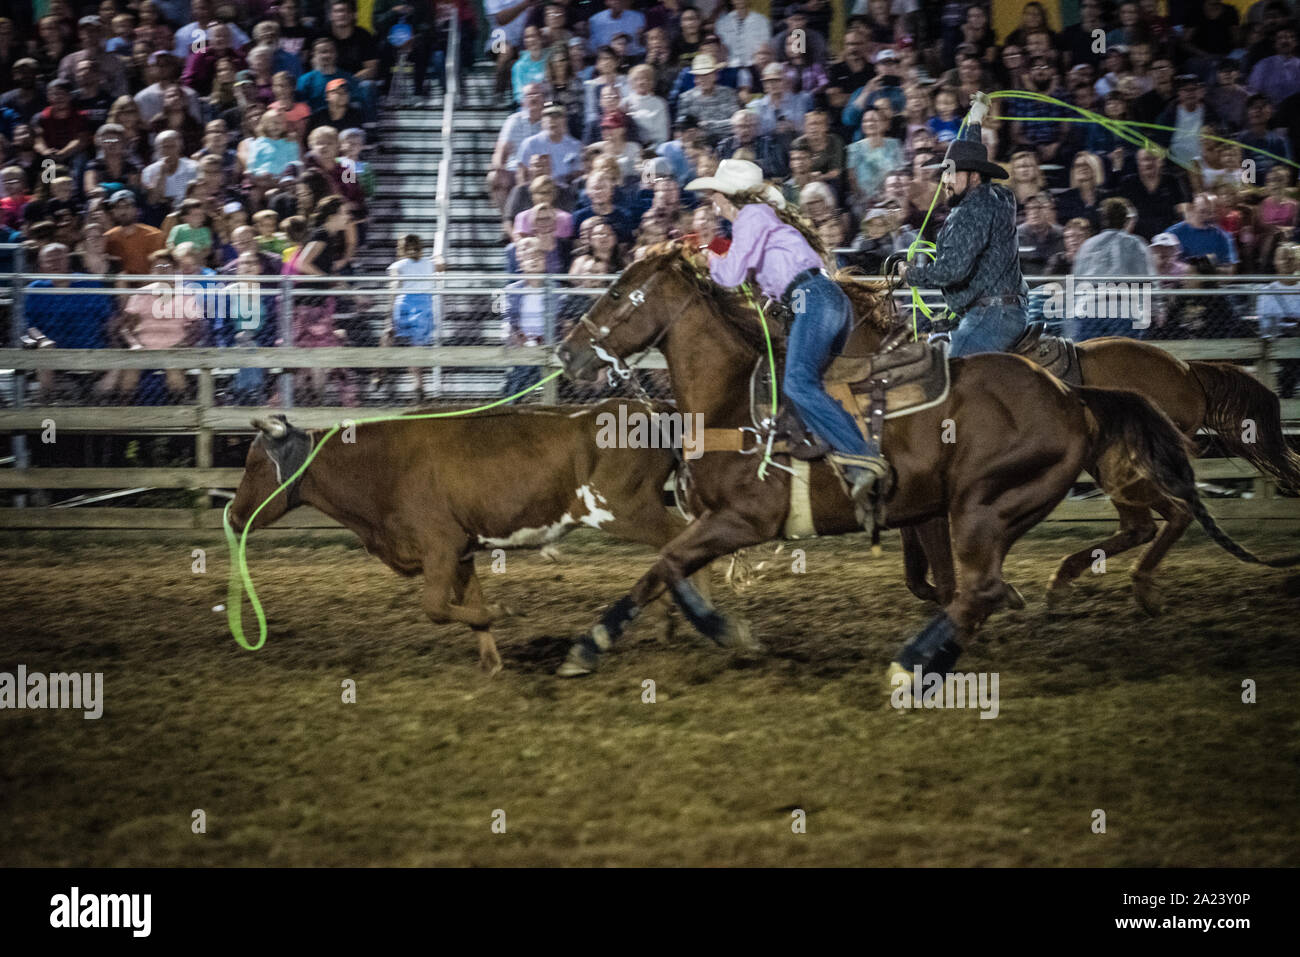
[980,539]
[927,547]
[708,537]
[916,563]
[937,543]
[1136,527]
[1144,590]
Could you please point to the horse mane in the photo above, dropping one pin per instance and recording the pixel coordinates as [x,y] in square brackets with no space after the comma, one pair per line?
[741,318]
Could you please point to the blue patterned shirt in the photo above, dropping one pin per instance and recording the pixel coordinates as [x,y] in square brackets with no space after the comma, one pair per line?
[978,251]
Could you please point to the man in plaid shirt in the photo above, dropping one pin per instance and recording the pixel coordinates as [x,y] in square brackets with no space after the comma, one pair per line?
[977,262]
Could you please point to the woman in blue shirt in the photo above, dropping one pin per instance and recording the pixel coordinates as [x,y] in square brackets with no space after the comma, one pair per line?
[531,65]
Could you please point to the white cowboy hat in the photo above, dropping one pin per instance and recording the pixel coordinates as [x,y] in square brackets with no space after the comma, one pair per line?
[704,63]
[732,176]
[735,176]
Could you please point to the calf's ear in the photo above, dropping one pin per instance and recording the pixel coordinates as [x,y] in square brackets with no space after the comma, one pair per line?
[273,429]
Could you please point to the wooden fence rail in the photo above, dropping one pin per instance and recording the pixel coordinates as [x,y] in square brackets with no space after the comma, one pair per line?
[204,419]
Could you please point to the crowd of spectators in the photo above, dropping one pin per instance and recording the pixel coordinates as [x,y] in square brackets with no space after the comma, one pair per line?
[195,141]
[620,104]
[211,138]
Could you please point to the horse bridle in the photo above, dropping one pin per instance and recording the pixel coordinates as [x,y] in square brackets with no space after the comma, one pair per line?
[598,334]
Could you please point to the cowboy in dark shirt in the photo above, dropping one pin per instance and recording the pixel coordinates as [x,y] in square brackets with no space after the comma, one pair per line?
[977,264]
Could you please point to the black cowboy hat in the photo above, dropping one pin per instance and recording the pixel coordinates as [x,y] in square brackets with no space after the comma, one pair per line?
[970,156]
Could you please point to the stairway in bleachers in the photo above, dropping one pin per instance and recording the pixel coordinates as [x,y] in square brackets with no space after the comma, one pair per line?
[406,166]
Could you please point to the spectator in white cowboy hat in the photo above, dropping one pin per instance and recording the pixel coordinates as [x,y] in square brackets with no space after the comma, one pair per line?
[791,264]
[727,75]
[711,104]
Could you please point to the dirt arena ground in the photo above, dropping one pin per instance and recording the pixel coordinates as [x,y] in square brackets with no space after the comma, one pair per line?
[1105,709]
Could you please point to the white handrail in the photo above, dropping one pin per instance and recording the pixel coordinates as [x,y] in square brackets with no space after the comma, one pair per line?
[451,86]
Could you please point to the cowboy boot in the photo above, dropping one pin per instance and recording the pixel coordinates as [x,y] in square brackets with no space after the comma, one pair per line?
[865,476]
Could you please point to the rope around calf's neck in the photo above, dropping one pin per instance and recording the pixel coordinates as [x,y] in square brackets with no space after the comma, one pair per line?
[241,581]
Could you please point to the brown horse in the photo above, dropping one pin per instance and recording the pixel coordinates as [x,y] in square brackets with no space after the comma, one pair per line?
[1021,439]
[1215,396]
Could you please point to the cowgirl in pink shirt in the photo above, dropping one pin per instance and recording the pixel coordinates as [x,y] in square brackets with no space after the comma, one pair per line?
[790,264]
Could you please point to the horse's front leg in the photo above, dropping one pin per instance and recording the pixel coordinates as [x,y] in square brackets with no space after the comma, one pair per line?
[710,536]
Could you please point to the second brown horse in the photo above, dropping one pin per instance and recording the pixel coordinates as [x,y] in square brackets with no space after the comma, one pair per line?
[995,457]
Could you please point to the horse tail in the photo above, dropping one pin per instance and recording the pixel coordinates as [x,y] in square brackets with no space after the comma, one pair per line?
[1233,397]
[1162,454]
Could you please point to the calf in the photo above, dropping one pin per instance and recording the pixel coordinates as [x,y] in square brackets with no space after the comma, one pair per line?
[424,494]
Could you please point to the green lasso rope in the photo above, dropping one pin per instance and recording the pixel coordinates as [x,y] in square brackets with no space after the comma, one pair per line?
[240,580]
[771,361]
[1127,130]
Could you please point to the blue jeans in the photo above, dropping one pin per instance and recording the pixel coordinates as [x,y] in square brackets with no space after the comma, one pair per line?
[987,329]
[818,332]
[520,378]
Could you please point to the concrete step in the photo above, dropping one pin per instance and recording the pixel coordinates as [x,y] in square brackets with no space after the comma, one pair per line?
[428,120]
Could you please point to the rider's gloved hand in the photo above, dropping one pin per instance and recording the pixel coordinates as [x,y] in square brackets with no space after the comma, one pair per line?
[979,108]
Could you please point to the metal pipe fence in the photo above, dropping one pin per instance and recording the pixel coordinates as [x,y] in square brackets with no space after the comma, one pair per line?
[238,365]
[488,331]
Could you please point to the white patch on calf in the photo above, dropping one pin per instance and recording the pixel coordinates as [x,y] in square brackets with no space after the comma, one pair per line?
[530,537]
[595,516]
[593,500]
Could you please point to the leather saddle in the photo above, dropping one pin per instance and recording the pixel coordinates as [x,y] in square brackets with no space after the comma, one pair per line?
[1054,353]
[902,378]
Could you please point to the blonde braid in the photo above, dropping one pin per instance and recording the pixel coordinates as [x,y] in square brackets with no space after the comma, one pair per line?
[789,215]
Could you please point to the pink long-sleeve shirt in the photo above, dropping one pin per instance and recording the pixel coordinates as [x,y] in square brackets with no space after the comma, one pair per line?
[760,241]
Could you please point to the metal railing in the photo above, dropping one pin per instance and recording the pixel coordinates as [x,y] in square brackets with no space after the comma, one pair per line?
[477,299]
[451,87]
